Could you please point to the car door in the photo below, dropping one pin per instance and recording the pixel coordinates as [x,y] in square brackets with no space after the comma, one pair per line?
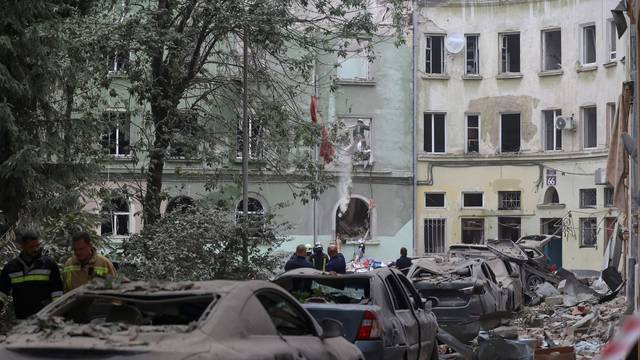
[294,326]
[495,291]
[426,320]
[409,327]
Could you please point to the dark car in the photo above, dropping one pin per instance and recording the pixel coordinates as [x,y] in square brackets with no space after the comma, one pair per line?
[536,270]
[466,294]
[381,311]
[200,320]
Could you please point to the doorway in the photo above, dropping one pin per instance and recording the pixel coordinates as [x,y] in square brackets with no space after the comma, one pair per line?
[553,250]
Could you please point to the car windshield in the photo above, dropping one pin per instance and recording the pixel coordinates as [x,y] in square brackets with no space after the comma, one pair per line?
[167,310]
[330,290]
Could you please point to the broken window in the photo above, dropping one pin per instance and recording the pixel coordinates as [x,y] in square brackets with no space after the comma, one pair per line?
[551,50]
[551,196]
[588,198]
[116,141]
[255,138]
[588,44]
[509,228]
[435,54]
[473,133]
[472,200]
[472,231]
[510,133]
[510,53]
[588,232]
[611,227]
[255,216]
[590,122]
[183,144]
[358,132]
[608,196]
[552,135]
[355,65]
[435,200]
[355,223]
[179,203]
[119,62]
[434,235]
[612,39]
[434,133]
[508,200]
[611,117]
[116,214]
[472,52]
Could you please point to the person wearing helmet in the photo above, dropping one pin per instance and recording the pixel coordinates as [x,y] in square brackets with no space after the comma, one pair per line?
[319,259]
[309,250]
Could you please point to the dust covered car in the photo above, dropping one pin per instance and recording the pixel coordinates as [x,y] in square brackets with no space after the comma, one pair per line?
[465,294]
[199,320]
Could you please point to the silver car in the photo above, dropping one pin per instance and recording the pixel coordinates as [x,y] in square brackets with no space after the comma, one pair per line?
[198,320]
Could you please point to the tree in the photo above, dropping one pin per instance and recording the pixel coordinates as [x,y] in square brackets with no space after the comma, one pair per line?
[186,54]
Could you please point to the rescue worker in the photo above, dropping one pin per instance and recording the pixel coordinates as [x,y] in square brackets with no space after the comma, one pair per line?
[85,264]
[31,278]
[319,259]
[299,261]
[309,250]
[336,264]
[403,263]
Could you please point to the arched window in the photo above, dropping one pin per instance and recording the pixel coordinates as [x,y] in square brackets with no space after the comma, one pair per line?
[116,214]
[551,196]
[255,216]
[354,224]
[180,202]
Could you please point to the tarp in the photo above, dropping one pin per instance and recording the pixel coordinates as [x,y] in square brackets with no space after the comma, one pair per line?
[617,161]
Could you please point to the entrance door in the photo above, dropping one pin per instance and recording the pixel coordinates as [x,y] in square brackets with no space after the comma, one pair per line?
[553,250]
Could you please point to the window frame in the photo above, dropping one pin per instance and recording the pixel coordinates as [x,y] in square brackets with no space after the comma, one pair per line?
[501,193]
[582,196]
[357,54]
[476,54]
[519,135]
[429,50]
[608,194]
[583,47]
[466,133]
[583,111]
[611,109]
[612,44]
[583,220]
[298,309]
[543,51]
[556,113]
[462,200]
[444,199]
[433,137]
[113,217]
[462,229]
[259,144]
[442,222]
[501,48]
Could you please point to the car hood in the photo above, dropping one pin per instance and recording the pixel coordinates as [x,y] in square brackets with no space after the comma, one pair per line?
[507,250]
[536,241]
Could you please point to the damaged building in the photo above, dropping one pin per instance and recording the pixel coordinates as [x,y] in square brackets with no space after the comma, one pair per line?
[515,105]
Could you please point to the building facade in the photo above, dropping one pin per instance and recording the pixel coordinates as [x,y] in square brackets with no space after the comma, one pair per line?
[515,102]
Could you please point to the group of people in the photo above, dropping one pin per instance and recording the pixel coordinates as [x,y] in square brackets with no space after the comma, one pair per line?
[34,280]
[315,258]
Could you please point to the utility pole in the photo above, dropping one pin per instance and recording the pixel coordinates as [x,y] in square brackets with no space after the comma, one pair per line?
[315,158]
[245,149]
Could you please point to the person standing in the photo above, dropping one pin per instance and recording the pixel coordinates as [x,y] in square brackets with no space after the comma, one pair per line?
[403,263]
[85,264]
[319,259]
[31,278]
[299,261]
[336,263]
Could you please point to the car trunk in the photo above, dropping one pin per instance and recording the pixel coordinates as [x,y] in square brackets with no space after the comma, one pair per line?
[350,316]
[450,294]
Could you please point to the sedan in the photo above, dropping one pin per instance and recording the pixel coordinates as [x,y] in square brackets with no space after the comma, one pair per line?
[196,320]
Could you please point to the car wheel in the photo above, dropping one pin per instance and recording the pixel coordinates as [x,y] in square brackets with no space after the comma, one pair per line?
[533,281]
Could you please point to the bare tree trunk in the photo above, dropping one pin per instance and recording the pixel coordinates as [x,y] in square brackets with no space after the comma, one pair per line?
[153,192]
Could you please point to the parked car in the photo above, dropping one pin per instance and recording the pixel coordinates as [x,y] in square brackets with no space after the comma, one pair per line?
[507,272]
[466,294]
[199,320]
[536,269]
[381,311]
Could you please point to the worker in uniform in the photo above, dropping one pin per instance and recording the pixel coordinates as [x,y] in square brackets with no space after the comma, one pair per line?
[32,279]
[85,264]
[319,259]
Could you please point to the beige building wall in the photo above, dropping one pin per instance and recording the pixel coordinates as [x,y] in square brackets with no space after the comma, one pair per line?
[528,92]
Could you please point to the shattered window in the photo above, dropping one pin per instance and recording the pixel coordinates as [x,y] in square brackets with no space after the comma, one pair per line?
[435,55]
[552,135]
[551,50]
[588,198]
[588,232]
[255,138]
[508,200]
[612,39]
[509,228]
[472,231]
[286,317]
[358,132]
[588,44]
[510,133]
[116,216]
[608,196]
[434,235]
[473,133]
[590,124]
[510,53]
[434,133]
[116,140]
[434,200]
[472,52]
[611,116]
[355,65]
[355,223]
[119,62]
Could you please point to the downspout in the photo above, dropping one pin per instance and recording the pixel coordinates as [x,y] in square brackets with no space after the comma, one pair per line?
[633,183]
[414,61]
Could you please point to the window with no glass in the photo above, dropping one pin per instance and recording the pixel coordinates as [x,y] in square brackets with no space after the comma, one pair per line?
[509,228]
[590,127]
[116,141]
[551,50]
[510,53]
[434,200]
[355,65]
[608,196]
[611,116]
[472,52]
[473,133]
[588,232]
[472,199]
[588,44]
[552,136]
[472,231]
[435,54]
[612,38]
[508,200]
[434,233]
[587,198]
[434,133]
[510,133]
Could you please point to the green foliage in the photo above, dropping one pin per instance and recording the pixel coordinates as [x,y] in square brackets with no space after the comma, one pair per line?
[202,242]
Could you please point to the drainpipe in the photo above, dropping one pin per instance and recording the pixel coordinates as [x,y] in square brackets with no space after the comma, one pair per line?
[633,186]
[414,114]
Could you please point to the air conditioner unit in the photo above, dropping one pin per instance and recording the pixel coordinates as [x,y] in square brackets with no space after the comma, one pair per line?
[601,176]
[565,123]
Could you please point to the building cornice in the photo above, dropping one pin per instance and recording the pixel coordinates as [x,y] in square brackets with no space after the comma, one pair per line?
[505,159]
[470,3]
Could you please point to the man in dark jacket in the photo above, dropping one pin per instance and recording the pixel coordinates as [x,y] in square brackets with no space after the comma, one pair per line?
[319,259]
[336,263]
[32,279]
[299,260]
[403,263]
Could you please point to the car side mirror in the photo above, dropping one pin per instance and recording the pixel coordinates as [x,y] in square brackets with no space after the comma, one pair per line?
[331,328]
